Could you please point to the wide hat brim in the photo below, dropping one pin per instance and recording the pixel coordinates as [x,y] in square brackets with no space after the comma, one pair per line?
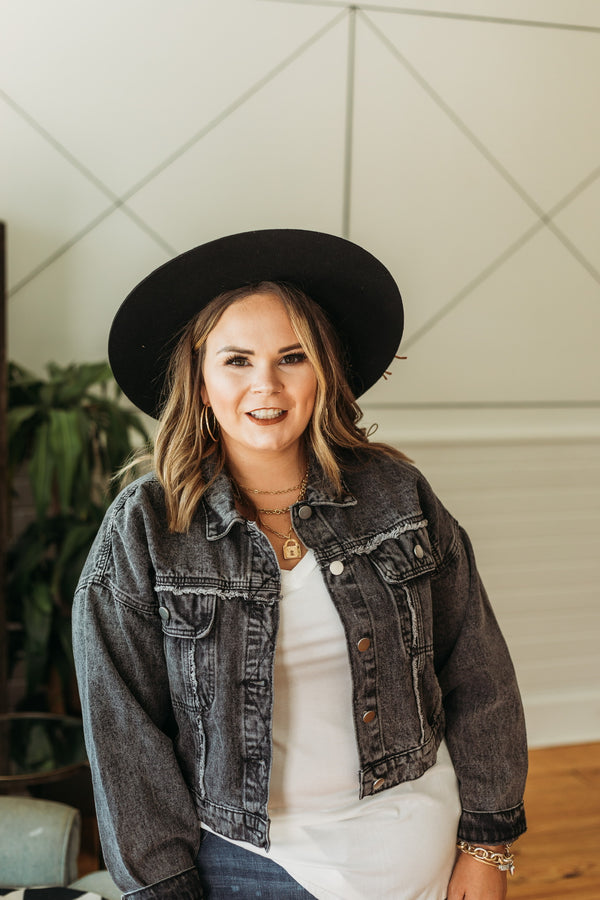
[356,291]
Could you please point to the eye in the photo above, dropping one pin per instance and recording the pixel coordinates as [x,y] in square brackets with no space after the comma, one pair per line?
[237,361]
[291,359]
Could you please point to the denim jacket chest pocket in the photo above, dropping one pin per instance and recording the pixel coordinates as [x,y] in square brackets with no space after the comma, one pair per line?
[188,620]
[404,565]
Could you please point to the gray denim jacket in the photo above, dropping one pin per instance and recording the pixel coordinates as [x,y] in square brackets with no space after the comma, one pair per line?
[174,639]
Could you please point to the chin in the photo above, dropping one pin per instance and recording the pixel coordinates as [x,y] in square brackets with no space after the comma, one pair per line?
[273,443]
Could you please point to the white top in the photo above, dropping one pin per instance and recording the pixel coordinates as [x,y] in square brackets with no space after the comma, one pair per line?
[398,844]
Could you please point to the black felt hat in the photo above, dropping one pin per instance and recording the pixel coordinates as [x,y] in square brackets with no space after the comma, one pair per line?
[357,292]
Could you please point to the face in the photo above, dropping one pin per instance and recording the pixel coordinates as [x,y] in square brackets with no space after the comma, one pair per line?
[257,379]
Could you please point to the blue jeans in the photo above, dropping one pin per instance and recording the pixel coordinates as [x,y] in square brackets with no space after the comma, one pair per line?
[227,871]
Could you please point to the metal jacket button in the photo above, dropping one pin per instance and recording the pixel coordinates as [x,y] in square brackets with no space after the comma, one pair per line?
[364,644]
[418,551]
[369,716]
[378,783]
[164,613]
[336,567]
[305,512]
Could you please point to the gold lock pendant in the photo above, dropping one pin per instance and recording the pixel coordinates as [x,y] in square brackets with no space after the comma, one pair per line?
[291,549]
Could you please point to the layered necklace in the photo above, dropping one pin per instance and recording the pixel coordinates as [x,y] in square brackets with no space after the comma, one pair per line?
[291,545]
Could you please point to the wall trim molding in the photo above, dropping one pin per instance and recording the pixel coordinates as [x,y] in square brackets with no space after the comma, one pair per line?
[406,425]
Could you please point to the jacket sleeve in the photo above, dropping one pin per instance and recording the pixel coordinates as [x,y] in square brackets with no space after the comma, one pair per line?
[485,728]
[147,820]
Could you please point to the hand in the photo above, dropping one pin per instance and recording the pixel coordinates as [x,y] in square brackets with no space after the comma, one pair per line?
[472,880]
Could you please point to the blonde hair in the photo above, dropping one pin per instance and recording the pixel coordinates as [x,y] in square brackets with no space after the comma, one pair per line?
[181,446]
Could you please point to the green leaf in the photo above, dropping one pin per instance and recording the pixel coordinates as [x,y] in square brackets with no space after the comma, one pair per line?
[41,469]
[72,550]
[118,425]
[63,657]
[16,417]
[73,383]
[66,445]
[28,554]
[71,430]
[23,386]
[38,616]
[17,373]
[40,755]
[21,421]
[47,396]
[118,445]
[38,623]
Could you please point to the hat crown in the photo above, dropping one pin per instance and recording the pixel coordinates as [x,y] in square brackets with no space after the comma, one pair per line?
[357,292]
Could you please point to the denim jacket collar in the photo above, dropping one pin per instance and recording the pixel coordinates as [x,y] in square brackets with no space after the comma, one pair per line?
[219,501]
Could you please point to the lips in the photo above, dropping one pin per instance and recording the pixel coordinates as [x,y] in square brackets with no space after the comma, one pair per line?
[266,415]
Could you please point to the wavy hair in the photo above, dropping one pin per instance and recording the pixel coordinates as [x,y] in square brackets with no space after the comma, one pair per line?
[181,446]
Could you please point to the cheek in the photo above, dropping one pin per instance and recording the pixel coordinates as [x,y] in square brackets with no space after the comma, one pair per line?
[312,388]
[310,396]
[221,391]
[212,389]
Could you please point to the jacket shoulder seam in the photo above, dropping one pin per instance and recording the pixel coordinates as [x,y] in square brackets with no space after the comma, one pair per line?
[452,554]
[102,581]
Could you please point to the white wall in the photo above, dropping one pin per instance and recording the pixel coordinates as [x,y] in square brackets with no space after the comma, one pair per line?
[462,149]
[531,509]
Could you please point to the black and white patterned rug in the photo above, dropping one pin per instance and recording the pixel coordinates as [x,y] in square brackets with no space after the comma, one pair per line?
[47,893]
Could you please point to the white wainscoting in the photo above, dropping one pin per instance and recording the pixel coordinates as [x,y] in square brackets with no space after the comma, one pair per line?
[532,511]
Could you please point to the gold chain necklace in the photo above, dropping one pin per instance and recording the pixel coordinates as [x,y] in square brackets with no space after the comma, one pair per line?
[281,511]
[289,490]
[278,510]
[291,545]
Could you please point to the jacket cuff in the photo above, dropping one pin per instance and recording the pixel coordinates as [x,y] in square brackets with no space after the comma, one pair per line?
[492,827]
[183,886]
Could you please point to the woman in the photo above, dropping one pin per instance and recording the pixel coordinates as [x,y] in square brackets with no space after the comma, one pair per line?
[292,681]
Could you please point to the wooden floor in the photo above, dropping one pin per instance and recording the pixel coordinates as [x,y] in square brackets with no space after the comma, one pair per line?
[559,856]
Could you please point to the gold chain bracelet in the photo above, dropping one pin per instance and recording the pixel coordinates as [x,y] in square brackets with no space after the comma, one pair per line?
[505,862]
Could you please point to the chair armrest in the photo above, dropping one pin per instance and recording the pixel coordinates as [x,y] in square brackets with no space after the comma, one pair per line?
[39,842]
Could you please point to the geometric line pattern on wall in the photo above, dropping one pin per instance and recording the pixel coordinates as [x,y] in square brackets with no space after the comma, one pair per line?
[116,201]
[544,221]
[443,14]
[353,13]
[120,202]
[545,217]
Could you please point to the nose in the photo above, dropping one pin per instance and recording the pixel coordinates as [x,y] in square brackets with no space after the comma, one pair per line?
[266,380]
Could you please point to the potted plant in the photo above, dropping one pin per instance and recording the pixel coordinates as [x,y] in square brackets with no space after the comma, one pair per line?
[71,433]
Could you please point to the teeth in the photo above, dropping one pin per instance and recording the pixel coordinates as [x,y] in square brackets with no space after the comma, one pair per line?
[266,413]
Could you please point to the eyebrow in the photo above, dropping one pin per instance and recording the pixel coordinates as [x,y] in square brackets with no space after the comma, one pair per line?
[251,352]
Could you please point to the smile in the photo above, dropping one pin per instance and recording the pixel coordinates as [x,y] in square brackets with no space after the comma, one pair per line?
[263,414]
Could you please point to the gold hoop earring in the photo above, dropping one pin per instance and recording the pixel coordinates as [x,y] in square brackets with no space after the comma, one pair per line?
[205,425]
